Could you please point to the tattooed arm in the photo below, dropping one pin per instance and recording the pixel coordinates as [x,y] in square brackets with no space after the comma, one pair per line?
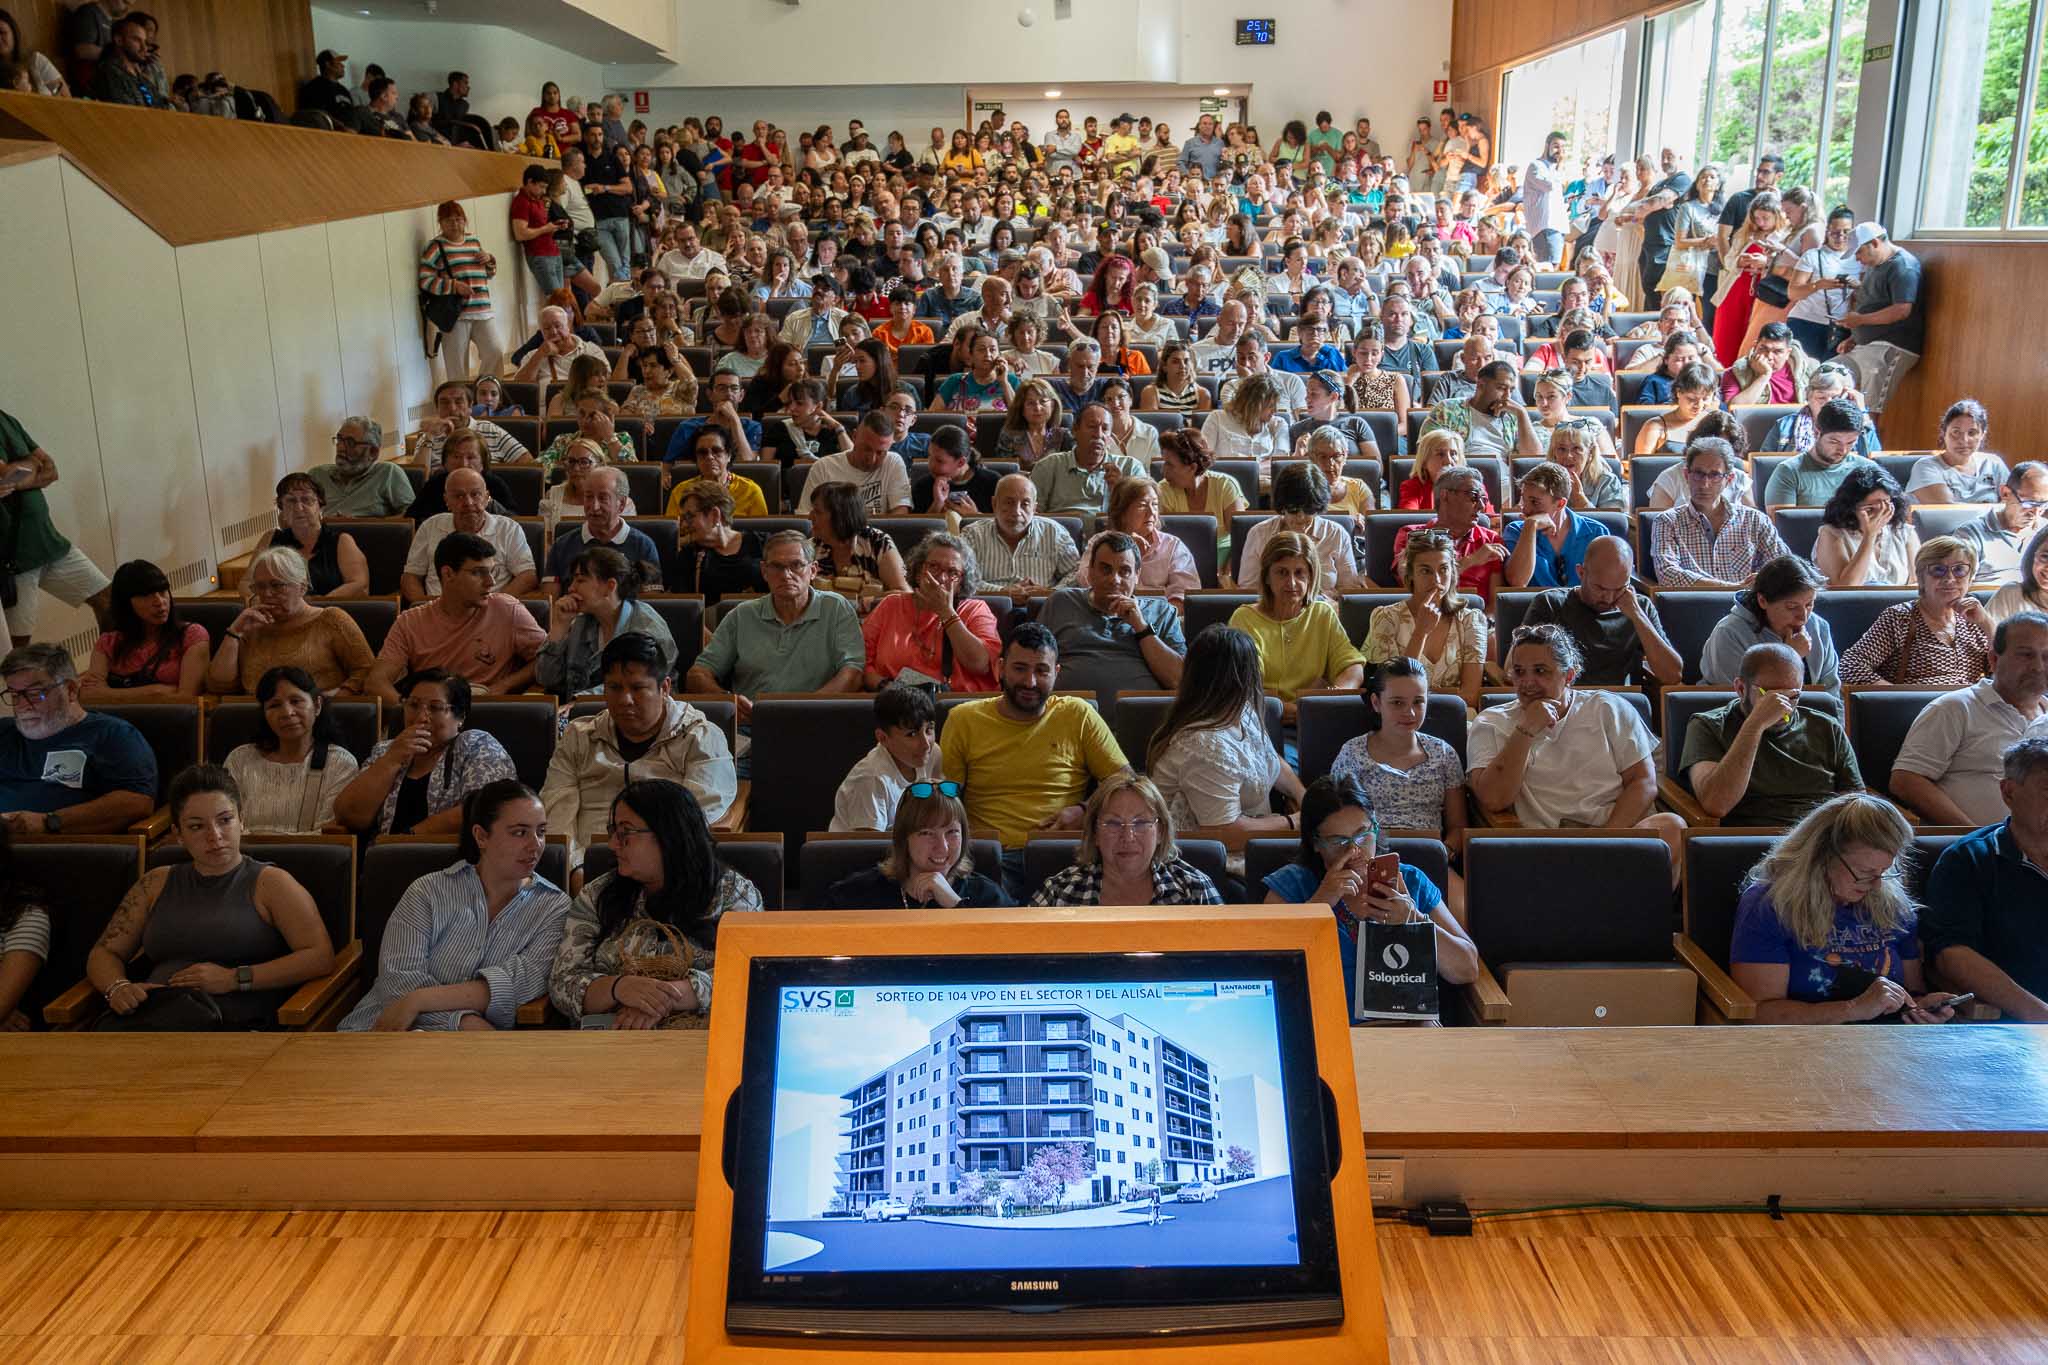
[107,964]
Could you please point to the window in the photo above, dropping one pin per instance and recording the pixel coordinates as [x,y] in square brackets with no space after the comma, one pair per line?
[1576,91]
[1059,1123]
[1058,1028]
[1979,108]
[987,1033]
[988,1061]
[1059,1061]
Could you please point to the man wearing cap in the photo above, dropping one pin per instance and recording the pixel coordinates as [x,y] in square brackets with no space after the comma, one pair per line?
[1887,326]
[1120,148]
[327,93]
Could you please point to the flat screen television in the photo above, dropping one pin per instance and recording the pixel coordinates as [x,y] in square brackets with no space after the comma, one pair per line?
[1012,1147]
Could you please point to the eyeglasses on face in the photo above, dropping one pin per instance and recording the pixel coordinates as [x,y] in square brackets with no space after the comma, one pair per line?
[1365,838]
[1141,826]
[31,696]
[925,790]
[1961,571]
[619,834]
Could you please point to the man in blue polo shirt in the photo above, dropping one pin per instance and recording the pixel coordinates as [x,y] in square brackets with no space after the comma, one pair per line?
[64,770]
[1536,557]
[1985,928]
[1314,351]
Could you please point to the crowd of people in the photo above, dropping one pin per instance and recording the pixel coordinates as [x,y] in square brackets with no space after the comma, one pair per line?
[848,288]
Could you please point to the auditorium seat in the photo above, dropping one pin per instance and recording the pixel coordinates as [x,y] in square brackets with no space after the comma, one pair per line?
[1945,521]
[643,486]
[232,722]
[907,530]
[1494,471]
[171,729]
[1798,527]
[803,748]
[1608,927]
[1325,720]
[829,859]
[1643,536]
[1757,420]
[373,616]
[85,877]
[524,482]
[525,726]
[1878,719]
[1761,466]
[1690,615]
[1354,611]
[216,614]
[1380,530]
[1046,854]
[1138,715]
[1850,612]
[1204,609]
[325,864]
[1716,867]
[1198,533]
[1643,472]
[683,614]
[385,542]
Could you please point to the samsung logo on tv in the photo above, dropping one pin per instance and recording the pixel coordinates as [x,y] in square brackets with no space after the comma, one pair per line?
[1019,1286]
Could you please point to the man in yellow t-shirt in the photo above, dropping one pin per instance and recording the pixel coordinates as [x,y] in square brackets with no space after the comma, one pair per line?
[1024,759]
[1120,148]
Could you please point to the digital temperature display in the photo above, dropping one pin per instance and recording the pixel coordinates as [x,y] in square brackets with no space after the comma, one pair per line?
[1255,33]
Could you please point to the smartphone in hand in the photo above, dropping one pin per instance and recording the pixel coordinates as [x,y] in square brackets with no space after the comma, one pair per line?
[1384,870]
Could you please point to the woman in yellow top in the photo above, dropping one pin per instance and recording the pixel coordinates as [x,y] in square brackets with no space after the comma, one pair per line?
[711,449]
[1301,643]
[962,158]
[1190,486]
[540,139]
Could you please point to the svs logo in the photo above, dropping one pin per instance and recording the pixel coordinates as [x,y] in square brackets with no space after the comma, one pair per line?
[817,998]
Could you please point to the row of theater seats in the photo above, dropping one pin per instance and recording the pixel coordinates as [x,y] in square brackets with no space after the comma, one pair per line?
[804,744]
[1607,902]
[1547,282]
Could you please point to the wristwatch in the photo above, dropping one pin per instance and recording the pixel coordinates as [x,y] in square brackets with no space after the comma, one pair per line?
[53,823]
[1144,633]
[245,978]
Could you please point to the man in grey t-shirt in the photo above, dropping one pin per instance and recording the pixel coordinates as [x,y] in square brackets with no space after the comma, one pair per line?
[1110,638]
[1888,324]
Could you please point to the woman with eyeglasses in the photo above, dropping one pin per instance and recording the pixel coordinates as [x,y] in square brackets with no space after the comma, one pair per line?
[1825,930]
[668,874]
[470,944]
[335,565]
[1942,638]
[928,865]
[1339,836]
[1127,854]
[279,626]
[416,781]
[1823,284]
[939,631]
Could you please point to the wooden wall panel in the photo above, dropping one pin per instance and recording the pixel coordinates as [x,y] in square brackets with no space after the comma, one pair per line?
[203,179]
[1982,296]
[263,44]
[1489,34]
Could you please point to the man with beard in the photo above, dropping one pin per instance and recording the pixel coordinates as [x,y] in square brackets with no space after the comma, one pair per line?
[64,770]
[1024,759]
[1110,639]
[358,484]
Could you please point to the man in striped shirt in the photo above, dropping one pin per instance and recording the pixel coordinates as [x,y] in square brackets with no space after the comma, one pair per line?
[1016,549]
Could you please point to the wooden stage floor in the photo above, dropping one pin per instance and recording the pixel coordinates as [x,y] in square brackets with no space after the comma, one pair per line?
[607,1288]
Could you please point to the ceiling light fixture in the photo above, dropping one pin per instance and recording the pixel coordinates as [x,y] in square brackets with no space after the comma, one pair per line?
[1222,90]
[1052,94]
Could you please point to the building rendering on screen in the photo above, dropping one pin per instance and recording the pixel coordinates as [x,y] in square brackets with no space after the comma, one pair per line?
[997,1083]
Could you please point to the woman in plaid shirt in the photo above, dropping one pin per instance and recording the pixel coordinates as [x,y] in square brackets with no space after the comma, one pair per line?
[1127,854]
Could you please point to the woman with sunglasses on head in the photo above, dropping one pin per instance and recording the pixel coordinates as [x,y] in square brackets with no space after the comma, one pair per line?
[1339,837]
[928,865]
[667,877]
[1127,854]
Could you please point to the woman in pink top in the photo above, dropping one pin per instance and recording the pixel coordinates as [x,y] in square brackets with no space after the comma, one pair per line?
[938,632]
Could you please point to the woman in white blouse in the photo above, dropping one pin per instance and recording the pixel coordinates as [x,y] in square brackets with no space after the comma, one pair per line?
[1139,440]
[290,774]
[1866,535]
[1212,757]
[1434,623]
[1249,426]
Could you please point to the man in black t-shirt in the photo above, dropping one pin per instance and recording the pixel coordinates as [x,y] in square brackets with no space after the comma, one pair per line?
[1660,223]
[969,487]
[1617,628]
[328,92]
[608,186]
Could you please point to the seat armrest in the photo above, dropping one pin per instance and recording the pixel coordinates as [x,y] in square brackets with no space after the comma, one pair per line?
[1495,819]
[311,1000]
[1488,1002]
[1685,803]
[536,1013]
[735,818]
[77,1006]
[1720,989]
[155,827]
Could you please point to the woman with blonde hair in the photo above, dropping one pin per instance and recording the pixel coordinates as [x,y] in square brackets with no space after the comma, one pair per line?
[588,374]
[1575,447]
[1249,426]
[1127,854]
[929,866]
[1435,452]
[1434,623]
[1824,932]
[1942,638]
[1301,642]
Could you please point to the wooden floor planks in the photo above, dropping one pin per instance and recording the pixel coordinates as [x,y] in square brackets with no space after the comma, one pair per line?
[607,1288]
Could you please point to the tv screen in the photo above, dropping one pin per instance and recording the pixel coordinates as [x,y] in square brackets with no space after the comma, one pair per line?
[949,1147]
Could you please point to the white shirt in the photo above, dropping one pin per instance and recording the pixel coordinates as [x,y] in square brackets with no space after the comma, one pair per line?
[1891,564]
[1231,441]
[1045,556]
[677,266]
[555,368]
[1293,389]
[867,798]
[514,556]
[1958,743]
[1143,445]
[1212,777]
[275,795]
[1333,551]
[1978,480]
[1573,777]
[500,446]
[884,489]
[1543,197]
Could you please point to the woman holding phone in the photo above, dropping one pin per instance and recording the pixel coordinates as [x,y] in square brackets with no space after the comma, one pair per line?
[1340,866]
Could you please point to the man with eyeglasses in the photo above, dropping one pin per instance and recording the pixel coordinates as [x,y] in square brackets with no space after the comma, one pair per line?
[64,770]
[1762,759]
[1024,759]
[644,732]
[30,546]
[1950,764]
[1459,496]
[2001,535]
[797,638]
[902,406]
[358,483]
[1711,540]
[743,434]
